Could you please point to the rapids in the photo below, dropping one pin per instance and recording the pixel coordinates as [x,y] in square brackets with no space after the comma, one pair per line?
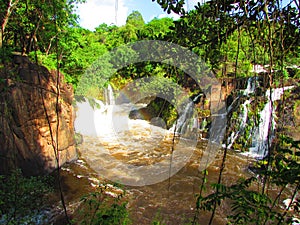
[171,201]
[129,151]
[158,168]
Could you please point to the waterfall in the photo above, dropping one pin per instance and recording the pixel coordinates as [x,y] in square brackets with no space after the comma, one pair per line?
[184,121]
[251,85]
[243,121]
[243,114]
[85,110]
[265,129]
[250,89]
[109,95]
[259,148]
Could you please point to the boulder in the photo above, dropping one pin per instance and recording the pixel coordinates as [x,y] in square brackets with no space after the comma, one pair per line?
[36,118]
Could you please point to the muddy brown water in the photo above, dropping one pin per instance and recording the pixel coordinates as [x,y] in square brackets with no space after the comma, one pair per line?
[171,201]
[142,157]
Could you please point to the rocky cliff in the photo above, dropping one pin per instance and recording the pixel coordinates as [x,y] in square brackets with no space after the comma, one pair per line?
[36,119]
[289,111]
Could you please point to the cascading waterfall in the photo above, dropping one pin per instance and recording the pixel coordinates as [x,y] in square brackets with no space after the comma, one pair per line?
[243,122]
[85,119]
[264,132]
[184,121]
[243,115]
[251,86]
[109,95]
[187,123]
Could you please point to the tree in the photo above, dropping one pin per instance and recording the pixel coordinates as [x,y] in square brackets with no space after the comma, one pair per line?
[134,23]
[172,5]
[157,28]
[272,30]
[109,35]
[135,19]
[28,25]
[81,48]
[6,10]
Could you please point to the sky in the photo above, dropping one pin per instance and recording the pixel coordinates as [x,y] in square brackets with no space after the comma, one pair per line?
[95,12]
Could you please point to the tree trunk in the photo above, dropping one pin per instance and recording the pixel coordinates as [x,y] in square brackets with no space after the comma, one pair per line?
[1,38]
[33,37]
[10,7]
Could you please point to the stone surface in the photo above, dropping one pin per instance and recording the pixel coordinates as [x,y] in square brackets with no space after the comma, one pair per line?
[288,111]
[37,121]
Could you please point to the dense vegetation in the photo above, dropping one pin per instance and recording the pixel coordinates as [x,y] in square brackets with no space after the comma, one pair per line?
[231,37]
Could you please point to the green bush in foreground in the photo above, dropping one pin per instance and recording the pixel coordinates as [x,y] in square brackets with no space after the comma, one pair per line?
[22,198]
[100,208]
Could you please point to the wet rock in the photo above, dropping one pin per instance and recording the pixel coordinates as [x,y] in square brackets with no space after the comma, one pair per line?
[33,121]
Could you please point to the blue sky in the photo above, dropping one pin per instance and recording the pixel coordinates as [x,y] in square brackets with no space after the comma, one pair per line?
[94,12]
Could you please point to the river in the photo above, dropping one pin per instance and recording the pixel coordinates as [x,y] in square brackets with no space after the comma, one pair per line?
[157,168]
[159,172]
[173,200]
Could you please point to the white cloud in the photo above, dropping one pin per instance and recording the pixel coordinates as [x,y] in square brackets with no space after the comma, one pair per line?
[95,12]
[172,15]
[189,5]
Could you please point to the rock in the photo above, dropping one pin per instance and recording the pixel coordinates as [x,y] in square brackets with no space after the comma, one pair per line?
[33,121]
[289,114]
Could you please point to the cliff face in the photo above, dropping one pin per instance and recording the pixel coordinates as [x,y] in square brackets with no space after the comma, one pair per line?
[289,114]
[32,121]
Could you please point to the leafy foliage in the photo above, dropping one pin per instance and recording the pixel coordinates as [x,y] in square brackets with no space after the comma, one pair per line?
[249,206]
[228,34]
[100,208]
[21,198]
[284,162]
[30,25]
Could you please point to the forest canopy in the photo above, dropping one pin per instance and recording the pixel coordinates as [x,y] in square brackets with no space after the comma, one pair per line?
[231,37]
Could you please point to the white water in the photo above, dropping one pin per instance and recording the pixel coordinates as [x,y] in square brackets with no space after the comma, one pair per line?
[251,86]
[110,123]
[261,135]
[243,121]
[84,122]
[109,95]
[133,152]
[187,121]
[117,139]
[243,116]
